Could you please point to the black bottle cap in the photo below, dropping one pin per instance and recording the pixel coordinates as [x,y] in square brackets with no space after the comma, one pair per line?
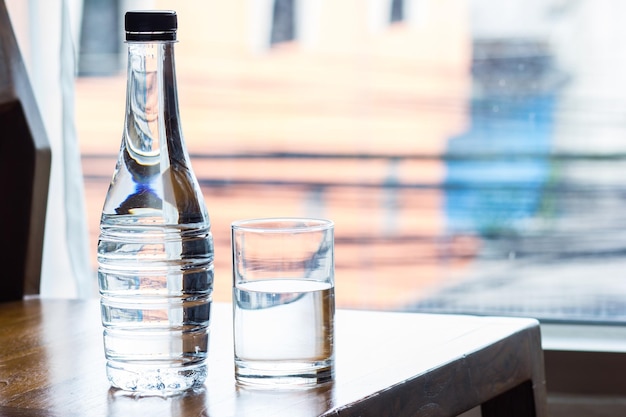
[150,25]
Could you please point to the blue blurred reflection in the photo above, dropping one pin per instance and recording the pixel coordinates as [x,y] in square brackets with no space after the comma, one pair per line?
[500,166]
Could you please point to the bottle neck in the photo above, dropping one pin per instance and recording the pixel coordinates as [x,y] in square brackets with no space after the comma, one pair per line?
[152,118]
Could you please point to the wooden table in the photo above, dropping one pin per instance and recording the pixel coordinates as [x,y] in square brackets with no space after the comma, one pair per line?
[387,364]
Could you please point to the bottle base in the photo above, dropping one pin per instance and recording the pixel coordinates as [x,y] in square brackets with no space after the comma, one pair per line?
[156,380]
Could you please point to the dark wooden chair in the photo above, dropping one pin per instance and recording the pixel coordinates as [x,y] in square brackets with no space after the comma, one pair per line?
[25,159]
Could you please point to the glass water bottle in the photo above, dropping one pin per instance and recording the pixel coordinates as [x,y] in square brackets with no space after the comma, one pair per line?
[155,251]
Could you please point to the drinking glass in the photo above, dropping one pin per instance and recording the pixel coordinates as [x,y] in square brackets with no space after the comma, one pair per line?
[283,300]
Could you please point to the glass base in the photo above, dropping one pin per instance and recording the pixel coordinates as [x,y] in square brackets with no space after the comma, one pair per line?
[283,374]
[155,379]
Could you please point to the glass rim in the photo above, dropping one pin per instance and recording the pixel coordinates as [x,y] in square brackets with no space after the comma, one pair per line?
[282,225]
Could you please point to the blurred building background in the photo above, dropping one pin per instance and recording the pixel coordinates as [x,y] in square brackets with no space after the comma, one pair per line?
[470,152]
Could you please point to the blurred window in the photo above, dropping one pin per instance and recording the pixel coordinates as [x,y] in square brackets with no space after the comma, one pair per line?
[397,10]
[471,154]
[283,22]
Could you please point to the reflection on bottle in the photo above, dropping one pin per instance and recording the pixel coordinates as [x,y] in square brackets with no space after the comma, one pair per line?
[123,403]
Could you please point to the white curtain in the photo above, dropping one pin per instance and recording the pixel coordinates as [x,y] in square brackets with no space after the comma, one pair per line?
[48,33]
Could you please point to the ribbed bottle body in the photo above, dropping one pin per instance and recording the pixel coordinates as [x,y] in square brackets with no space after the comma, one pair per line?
[156,286]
